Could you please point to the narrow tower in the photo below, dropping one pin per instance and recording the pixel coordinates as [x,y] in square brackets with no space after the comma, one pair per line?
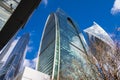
[14,62]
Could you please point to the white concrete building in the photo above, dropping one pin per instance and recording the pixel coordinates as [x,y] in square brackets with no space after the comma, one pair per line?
[31,74]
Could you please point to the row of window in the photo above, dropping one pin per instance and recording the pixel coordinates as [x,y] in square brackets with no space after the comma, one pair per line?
[48,39]
[46,59]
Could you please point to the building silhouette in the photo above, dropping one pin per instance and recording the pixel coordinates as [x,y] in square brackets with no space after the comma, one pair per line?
[14,62]
[62,52]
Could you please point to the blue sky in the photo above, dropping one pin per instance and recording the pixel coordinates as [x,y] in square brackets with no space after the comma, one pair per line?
[84,12]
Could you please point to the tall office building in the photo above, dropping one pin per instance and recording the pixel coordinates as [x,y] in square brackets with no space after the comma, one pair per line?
[103,48]
[6,9]
[13,16]
[8,47]
[13,63]
[62,53]
[5,52]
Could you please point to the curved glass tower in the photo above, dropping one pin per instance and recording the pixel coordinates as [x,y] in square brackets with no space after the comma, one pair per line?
[62,53]
[13,64]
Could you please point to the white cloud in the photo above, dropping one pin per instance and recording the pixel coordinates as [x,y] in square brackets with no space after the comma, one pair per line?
[116,7]
[30,63]
[45,2]
[112,35]
[29,48]
[118,29]
[32,33]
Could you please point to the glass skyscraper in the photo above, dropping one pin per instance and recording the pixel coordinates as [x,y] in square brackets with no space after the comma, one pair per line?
[6,9]
[4,53]
[15,60]
[62,53]
[103,49]
[13,16]
[5,50]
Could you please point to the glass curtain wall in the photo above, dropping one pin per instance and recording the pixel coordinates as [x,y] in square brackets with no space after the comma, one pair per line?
[74,63]
[6,9]
[62,52]
[13,64]
[46,56]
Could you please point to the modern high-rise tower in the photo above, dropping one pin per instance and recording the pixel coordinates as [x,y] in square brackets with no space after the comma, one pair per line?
[15,60]
[6,9]
[5,52]
[13,16]
[62,53]
[103,48]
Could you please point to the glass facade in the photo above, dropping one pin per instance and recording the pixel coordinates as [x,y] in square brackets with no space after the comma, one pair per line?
[12,65]
[103,49]
[62,54]
[6,9]
[47,49]
[4,53]
[74,64]
[96,31]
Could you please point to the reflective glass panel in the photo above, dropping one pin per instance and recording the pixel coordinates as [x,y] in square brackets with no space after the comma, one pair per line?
[7,7]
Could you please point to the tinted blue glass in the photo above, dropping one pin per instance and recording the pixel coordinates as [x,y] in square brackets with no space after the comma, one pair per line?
[74,64]
[10,73]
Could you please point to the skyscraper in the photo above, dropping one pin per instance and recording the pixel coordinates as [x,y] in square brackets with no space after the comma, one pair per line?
[6,9]
[62,53]
[5,52]
[13,64]
[103,48]
[13,16]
